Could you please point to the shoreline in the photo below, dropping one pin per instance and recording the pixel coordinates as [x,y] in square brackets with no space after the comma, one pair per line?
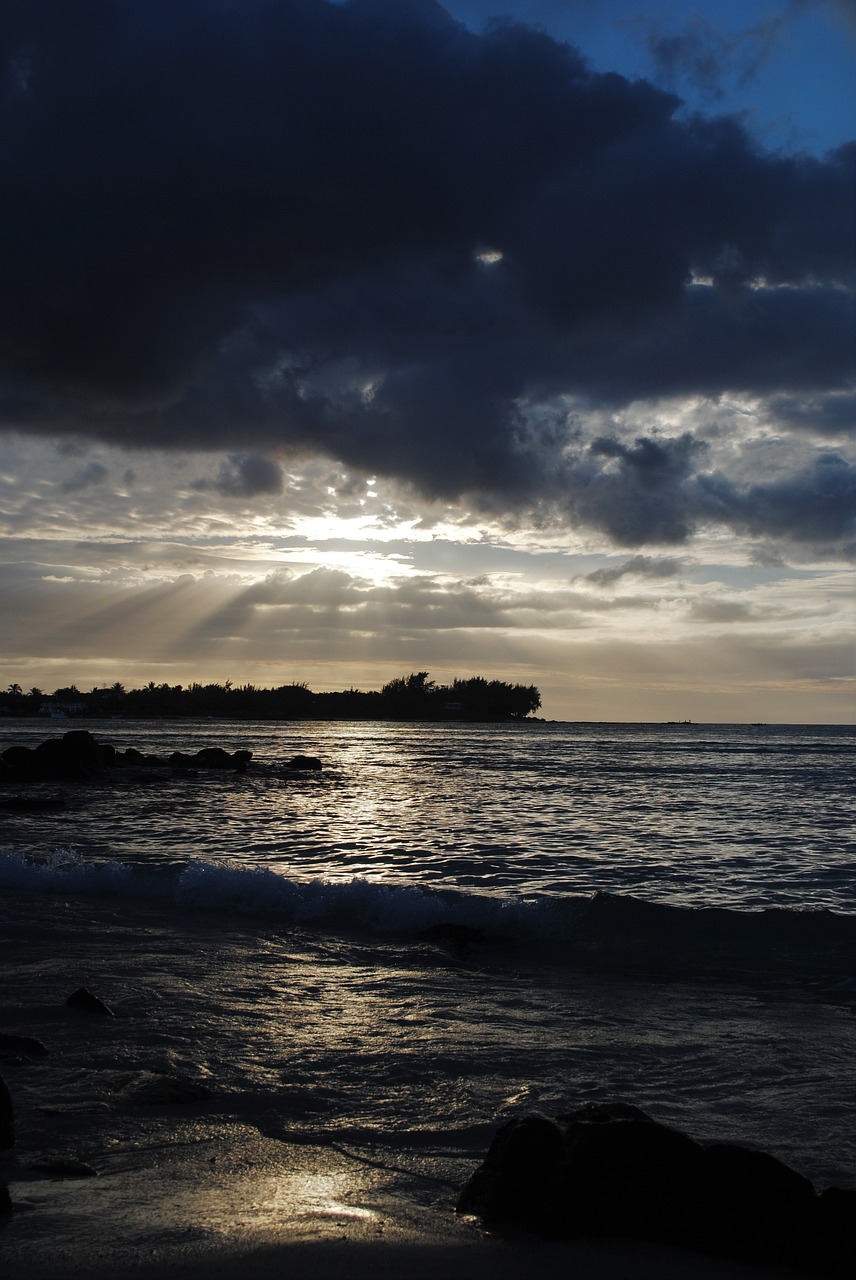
[62,722]
[224,1185]
[196,1200]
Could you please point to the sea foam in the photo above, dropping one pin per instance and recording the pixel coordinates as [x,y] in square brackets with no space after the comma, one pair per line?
[604,928]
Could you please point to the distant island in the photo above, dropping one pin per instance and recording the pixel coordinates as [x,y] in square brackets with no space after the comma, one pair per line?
[413,697]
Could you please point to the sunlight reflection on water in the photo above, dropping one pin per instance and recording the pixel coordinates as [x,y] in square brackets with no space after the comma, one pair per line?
[731,815]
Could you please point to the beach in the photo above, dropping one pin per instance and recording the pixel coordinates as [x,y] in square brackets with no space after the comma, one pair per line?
[303,1071]
[137,1151]
[119,1169]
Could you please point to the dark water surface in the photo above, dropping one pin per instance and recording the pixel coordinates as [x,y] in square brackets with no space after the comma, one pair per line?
[451,924]
[737,816]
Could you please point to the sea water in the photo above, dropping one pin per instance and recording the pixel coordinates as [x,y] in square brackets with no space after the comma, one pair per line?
[450,924]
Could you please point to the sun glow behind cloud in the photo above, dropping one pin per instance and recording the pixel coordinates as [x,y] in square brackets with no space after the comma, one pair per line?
[552,379]
[355,581]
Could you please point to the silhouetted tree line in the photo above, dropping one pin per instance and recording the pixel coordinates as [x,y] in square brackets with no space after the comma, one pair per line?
[413,697]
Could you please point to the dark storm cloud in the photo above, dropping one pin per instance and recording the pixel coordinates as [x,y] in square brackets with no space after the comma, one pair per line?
[93,473]
[817,504]
[245,476]
[644,492]
[636,567]
[824,415]
[277,225]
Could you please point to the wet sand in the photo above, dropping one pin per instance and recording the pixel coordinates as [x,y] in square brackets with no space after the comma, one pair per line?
[223,1185]
[192,1199]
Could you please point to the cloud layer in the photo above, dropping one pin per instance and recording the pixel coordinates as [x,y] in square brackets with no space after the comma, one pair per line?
[363,231]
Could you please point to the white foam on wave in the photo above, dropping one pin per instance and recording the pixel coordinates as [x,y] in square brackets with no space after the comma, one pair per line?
[65,871]
[353,903]
[607,922]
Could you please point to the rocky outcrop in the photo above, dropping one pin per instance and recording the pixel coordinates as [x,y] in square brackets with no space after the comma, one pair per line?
[73,756]
[77,755]
[13,1046]
[304,762]
[212,758]
[84,1001]
[611,1170]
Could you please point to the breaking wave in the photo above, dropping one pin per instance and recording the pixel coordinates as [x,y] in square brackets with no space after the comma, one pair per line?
[600,928]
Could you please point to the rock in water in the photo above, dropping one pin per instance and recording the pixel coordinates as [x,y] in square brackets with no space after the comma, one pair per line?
[613,1171]
[213,758]
[753,1201]
[516,1180]
[77,756]
[7,1118]
[5,1203]
[304,762]
[86,1002]
[12,1045]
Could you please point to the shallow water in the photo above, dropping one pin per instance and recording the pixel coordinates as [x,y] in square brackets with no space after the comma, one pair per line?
[275,934]
[738,816]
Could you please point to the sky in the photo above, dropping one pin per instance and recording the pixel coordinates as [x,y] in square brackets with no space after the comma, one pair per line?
[344,340]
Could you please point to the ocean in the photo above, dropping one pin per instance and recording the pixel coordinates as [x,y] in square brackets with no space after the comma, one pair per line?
[448,925]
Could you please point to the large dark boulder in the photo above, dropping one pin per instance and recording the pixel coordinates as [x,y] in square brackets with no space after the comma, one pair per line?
[610,1172]
[19,759]
[12,1045]
[519,1176]
[625,1176]
[212,758]
[217,758]
[304,763]
[75,755]
[754,1206]
[84,1001]
[613,1171]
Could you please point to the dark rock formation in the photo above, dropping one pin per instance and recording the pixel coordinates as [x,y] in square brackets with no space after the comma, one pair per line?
[86,1002]
[304,762]
[73,756]
[76,755]
[12,1045]
[5,1203]
[213,758]
[7,1118]
[613,1171]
